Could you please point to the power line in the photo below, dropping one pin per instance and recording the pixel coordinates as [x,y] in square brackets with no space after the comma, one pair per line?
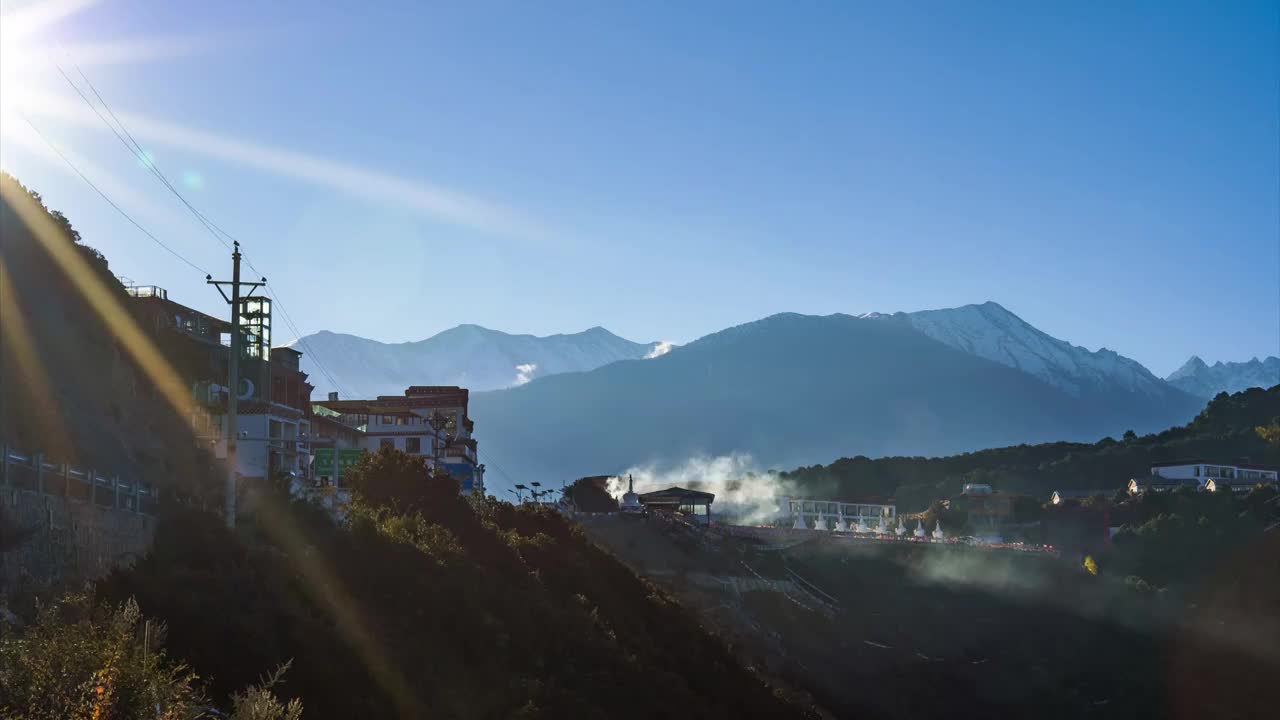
[284,312]
[111,202]
[132,145]
[314,357]
[135,148]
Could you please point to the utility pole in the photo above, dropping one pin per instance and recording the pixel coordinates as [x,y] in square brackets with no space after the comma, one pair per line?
[233,373]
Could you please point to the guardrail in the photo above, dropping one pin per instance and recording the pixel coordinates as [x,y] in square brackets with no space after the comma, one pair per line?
[33,473]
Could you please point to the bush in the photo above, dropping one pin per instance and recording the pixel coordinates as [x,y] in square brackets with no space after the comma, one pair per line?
[79,659]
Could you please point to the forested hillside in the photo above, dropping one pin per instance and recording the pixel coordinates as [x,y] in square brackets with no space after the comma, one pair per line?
[443,608]
[1226,430]
[429,606]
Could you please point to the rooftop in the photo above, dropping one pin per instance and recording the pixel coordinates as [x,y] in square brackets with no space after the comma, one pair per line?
[677,495]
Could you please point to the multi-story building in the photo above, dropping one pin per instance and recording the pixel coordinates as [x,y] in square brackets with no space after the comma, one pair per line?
[274,397]
[1203,475]
[273,422]
[194,344]
[428,420]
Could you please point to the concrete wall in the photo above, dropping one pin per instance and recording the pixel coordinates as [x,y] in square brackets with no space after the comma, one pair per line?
[71,541]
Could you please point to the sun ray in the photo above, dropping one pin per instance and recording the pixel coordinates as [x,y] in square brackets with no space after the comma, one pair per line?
[328,591]
[32,381]
[107,304]
[21,135]
[440,203]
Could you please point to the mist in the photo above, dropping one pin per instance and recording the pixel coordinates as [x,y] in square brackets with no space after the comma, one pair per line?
[744,493]
[524,373]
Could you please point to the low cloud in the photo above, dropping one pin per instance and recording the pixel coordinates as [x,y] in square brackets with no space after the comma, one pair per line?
[659,350]
[524,373]
[744,493]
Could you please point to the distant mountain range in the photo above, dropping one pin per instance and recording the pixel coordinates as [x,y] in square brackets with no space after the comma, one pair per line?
[789,389]
[467,355]
[795,389]
[1204,380]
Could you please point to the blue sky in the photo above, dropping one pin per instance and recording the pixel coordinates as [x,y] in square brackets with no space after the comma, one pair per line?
[1108,171]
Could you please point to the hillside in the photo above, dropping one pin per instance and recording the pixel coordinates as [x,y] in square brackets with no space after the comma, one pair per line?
[1204,380]
[1225,429]
[468,355]
[475,610]
[790,389]
[469,610]
[926,631]
[70,386]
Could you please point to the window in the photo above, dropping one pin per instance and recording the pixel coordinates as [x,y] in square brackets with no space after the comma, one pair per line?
[413,445]
[388,420]
[387,442]
[1197,472]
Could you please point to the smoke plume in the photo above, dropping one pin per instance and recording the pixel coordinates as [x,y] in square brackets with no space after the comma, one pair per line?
[659,350]
[744,493]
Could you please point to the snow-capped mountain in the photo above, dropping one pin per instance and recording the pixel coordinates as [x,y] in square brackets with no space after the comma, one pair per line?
[992,332]
[467,355]
[797,389]
[1204,380]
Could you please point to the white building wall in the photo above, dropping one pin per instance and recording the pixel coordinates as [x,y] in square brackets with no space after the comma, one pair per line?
[1177,472]
[1204,471]
[254,443]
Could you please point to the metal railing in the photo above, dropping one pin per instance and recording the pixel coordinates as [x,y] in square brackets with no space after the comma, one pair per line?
[32,473]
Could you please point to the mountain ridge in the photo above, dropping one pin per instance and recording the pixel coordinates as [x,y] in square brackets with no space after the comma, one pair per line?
[792,389]
[992,331]
[1203,380]
[469,355]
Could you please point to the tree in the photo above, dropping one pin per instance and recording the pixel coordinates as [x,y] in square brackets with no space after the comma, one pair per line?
[589,495]
[1270,433]
[1096,500]
[392,478]
[1130,436]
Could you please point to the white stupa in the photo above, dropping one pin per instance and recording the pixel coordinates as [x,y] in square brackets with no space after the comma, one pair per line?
[938,532]
[900,530]
[630,500]
[919,532]
[862,526]
[821,523]
[841,525]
